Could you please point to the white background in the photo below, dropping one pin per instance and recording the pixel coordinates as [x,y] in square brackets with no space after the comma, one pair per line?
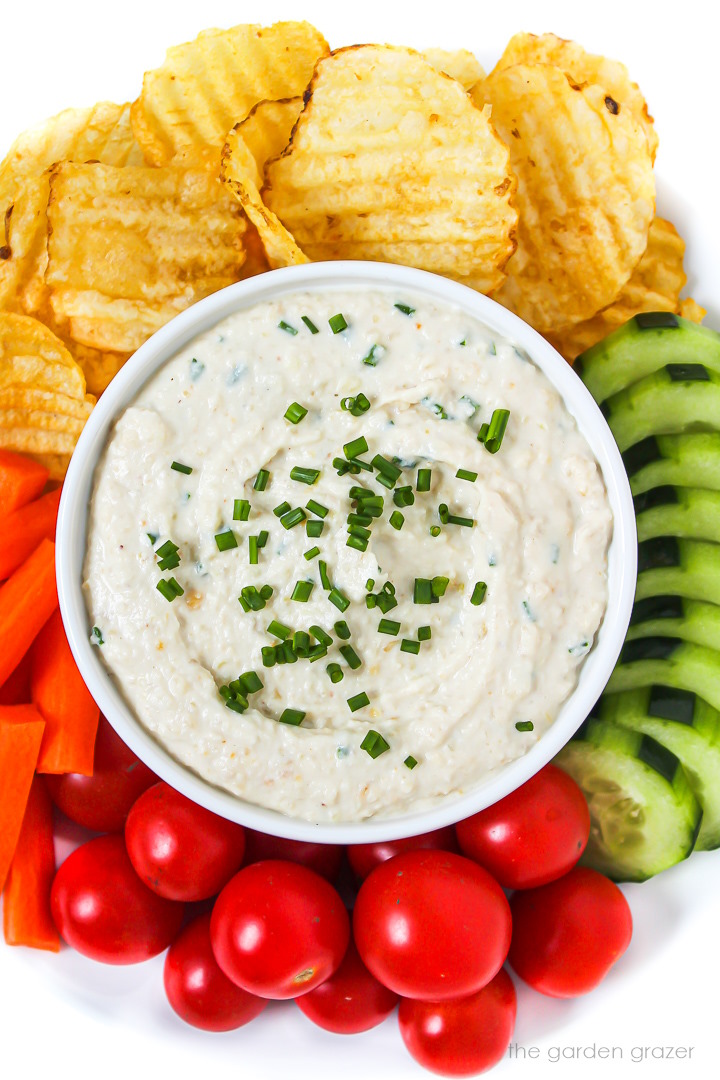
[68,1017]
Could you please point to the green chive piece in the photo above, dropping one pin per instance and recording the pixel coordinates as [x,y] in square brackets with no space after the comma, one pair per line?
[178,467]
[310,325]
[169,588]
[357,492]
[358,701]
[304,476]
[435,530]
[324,579]
[444,513]
[282,325]
[311,553]
[279,630]
[386,470]
[496,430]
[337,323]
[373,355]
[525,725]
[478,593]
[422,591]
[406,645]
[314,529]
[482,433]
[350,656]
[263,536]
[251,682]
[363,520]
[335,672]
[261,480]
[385,602]
[281,509]
[96,637]
[388,626]
[356,465]
[397,520]
[370,601]
[291,716]
[244,604]
[266,592]
[241,510]
[424,478]
[359,530]
[233,699]
[340,601]
[437,408]
[321,635]
[301,644]
[466,522]
[295,413]
[466,474]
[439,585]
[317,508]
[347,404]
[253,549]
[170,562]
[342,630]
[404,496]
[370,584]
[289,653]
[302,591]
[293,518]
[168,548]
[342,466]
[374,744]
[226,540]
[268,655]
[152,537]
[355,447]
[362,404]
[410,761]
[359,543]
[424,633]
[406,309]
[317,652]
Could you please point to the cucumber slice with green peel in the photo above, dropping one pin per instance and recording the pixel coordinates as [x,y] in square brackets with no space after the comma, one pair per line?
[677,398]
[673,616]
[687,512]
[643,812]
[644,344]
[690,728]
[670,567]
[684,460]
[670,662]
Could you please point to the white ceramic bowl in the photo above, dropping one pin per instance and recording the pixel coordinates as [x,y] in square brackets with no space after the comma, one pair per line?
[72,525]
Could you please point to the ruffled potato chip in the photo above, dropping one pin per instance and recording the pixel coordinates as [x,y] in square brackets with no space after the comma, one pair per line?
[586,193]
[459,64]
[390,161]
[205,86]
[23,258]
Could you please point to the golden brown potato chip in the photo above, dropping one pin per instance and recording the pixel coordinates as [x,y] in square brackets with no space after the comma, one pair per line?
[586,194]
[459,64]
[690,309]
[99,368]
[582,67]
[654,286]
[266,131]
[23,258]
[207,85]
[130,248]
[390,161]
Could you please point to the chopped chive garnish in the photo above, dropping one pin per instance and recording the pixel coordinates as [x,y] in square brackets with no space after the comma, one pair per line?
[324,579]
[342,466]
[355,447]
[370,601]
[439,585]
[266,592]
[251,682]
[152,537]
[406,645]
[359,701]
[317,508]
[466,522]
[241,510]
[282,325]
[166,549]
[178,467]
[466,474]
[357,465]
[437,408]
[422,591]
[252,600]
[385,602]
[359,530]
[340,601]
[310,325]
[304,476]
[373,354]
[359,519]
[293,518]
[397,520]
[295,413]
[302,591]
[342,630]
[370,584]
[96,637]
[314,529]
[388,626]
[244,604]
[361,404]
[291,716]
[261,480]
[169,588]
[301,644]
[424,633]
[170,562]
[357,493]
[317,652]
[289,653]
[435,530]
[350,656]
[404,496]
[374,744]
[406,309]
[321,635]
[478,593]
[337,323]
[525,725]
[278,629]
[281,509]
[424,478]
[410,761]
[388,473]
[268,655]
[496,430]
[359,543]
[226,540]
[263,536]
[253,549]
[233,698]
[311,553]
[444,513]
[335,672]
[482,433]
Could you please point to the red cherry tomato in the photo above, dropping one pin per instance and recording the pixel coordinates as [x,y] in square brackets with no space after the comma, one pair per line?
[365,857]
[431,924]
[278,929]
[199,992]
[463,1036]
[103,910]
[351,1000]
[324,859]
[102,801]
[532,836]
[180,850]
[568,934]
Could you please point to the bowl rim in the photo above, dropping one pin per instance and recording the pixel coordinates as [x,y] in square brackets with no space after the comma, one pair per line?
[346,275]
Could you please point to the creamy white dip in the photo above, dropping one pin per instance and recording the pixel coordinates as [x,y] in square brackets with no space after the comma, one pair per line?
[491,678]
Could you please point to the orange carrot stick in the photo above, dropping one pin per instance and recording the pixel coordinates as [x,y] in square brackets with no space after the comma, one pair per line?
[27,600]
[21,730]
[26,906]
[22,531]
[21,480]
[16,688]
[64,702]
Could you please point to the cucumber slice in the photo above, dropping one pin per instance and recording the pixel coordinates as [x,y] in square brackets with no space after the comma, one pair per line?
[673,616]
[690,728]
[644,344]
[684,460]
[670,567]
[644,815]
[670,662]
[678,511]
[675,399]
